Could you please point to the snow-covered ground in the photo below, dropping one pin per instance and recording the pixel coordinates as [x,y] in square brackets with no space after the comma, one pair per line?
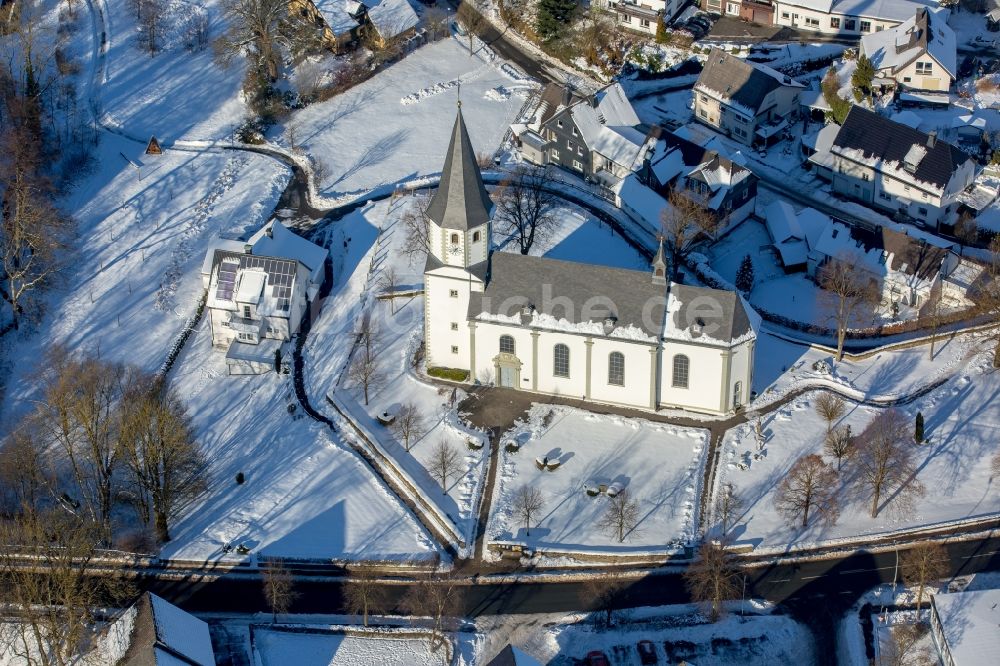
[181,93]
[134,279]
[660,465]
[960,416]
[396,125]
[306,494]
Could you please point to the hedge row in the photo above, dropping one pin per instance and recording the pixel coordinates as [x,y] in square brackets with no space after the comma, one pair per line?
[452,374]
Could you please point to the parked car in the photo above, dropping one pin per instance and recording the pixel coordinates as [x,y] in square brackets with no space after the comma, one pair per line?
[597,658]
[647,652]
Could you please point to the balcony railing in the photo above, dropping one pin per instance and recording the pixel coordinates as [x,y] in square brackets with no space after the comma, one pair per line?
[244,325]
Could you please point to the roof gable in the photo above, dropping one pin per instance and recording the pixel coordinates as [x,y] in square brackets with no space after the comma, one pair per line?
[739,82]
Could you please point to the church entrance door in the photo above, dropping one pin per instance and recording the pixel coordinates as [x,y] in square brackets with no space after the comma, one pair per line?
[507,374]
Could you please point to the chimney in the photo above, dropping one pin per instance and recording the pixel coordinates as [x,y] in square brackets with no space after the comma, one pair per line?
[609,324]
[527,314]
[248,249]
[931,138]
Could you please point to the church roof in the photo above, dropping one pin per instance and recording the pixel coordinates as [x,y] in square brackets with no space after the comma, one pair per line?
[550,285]
[461,201]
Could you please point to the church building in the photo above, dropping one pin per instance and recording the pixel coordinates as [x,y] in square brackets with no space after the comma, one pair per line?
[608,335]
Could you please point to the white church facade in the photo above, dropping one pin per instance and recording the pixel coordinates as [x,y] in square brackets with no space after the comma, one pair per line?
[582,331]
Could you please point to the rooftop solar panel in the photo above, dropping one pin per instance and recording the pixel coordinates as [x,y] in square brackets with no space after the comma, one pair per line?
[227,280]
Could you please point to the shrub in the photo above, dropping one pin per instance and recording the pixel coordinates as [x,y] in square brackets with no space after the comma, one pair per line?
[451,374]
[918,429]
[240,478]
[512,447]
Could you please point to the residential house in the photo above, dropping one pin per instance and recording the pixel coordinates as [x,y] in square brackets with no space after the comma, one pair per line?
[719,183]
[964,627]
[389,19]
[643,16]
[258,293]
[598,136]
[153,632]
[847,17]
[747,101]
[919,53]
[345,22]
[553,327]
[907,269]
[896,168]
[754,11]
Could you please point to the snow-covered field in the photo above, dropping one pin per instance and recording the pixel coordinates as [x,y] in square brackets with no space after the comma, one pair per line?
[952,465]
[181,93]
[278,648]
[306,494]
[396,125]
[134,279]
[659,464]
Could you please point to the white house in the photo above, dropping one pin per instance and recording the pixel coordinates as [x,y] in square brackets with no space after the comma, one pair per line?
[258,293]
[641,15]
[896,168]
[964,627]
[153,632]
[847,17]
[750,102]
[598,136]
[591,332]
[919,53]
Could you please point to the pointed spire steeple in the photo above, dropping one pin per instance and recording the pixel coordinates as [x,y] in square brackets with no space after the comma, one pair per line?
[659,264]
[461,201]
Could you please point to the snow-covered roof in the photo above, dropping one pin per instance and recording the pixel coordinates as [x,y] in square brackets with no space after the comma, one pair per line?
[739,83]
[153,631]
[709,316]
[925,32]
[645,202]
[607,124]
[814,99]
[788,237]
[274,239]
[338,14]
[391,17]
[969,622]
[889,10]
[908,118]
[249,286]
[675,155]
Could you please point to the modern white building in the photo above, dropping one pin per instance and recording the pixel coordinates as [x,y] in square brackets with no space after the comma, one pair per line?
[965,627]
[919,53]
[847,17]
[258,293]
[615,336]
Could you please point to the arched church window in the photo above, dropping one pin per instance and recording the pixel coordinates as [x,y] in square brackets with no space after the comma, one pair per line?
[506,344]
[454,239]
[616,369]
[476,235]
[682,367]
[560,361]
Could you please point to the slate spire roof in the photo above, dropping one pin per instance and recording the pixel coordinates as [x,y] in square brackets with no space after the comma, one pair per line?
[461,201]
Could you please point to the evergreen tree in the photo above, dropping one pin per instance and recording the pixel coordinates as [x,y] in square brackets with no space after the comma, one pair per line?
[554,17]
[863,76]
[838,105]
[744,276]
[918,430]
[661,32]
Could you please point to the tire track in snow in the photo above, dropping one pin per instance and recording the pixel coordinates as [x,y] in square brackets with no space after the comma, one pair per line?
[190,237]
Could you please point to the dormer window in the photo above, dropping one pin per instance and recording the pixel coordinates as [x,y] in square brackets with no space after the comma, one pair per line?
[575,133]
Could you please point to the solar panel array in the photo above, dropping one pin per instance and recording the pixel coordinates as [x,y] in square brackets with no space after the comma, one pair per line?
[227,279]
[280,277]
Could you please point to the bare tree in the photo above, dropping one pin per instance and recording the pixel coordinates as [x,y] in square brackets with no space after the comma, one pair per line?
[473,22]
[728,506]
[417,239]
[279,592]
[165,463]
[932,308]
[33,232]
[684,222]
[438,597]
[259,29]
[621,516]
[149,16]
[409,425]
[904,647]
[26,474]
[365,372]
[809,487]
[923,563]
[830,407]
[54,610]
[885,461]
[525,208]
[369,333]
[365,594]
[387,283]
[436,21]
[839,444]
[849,293]
[712,578]
[528,503]
[604,593]
[987,296]
[446,462]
